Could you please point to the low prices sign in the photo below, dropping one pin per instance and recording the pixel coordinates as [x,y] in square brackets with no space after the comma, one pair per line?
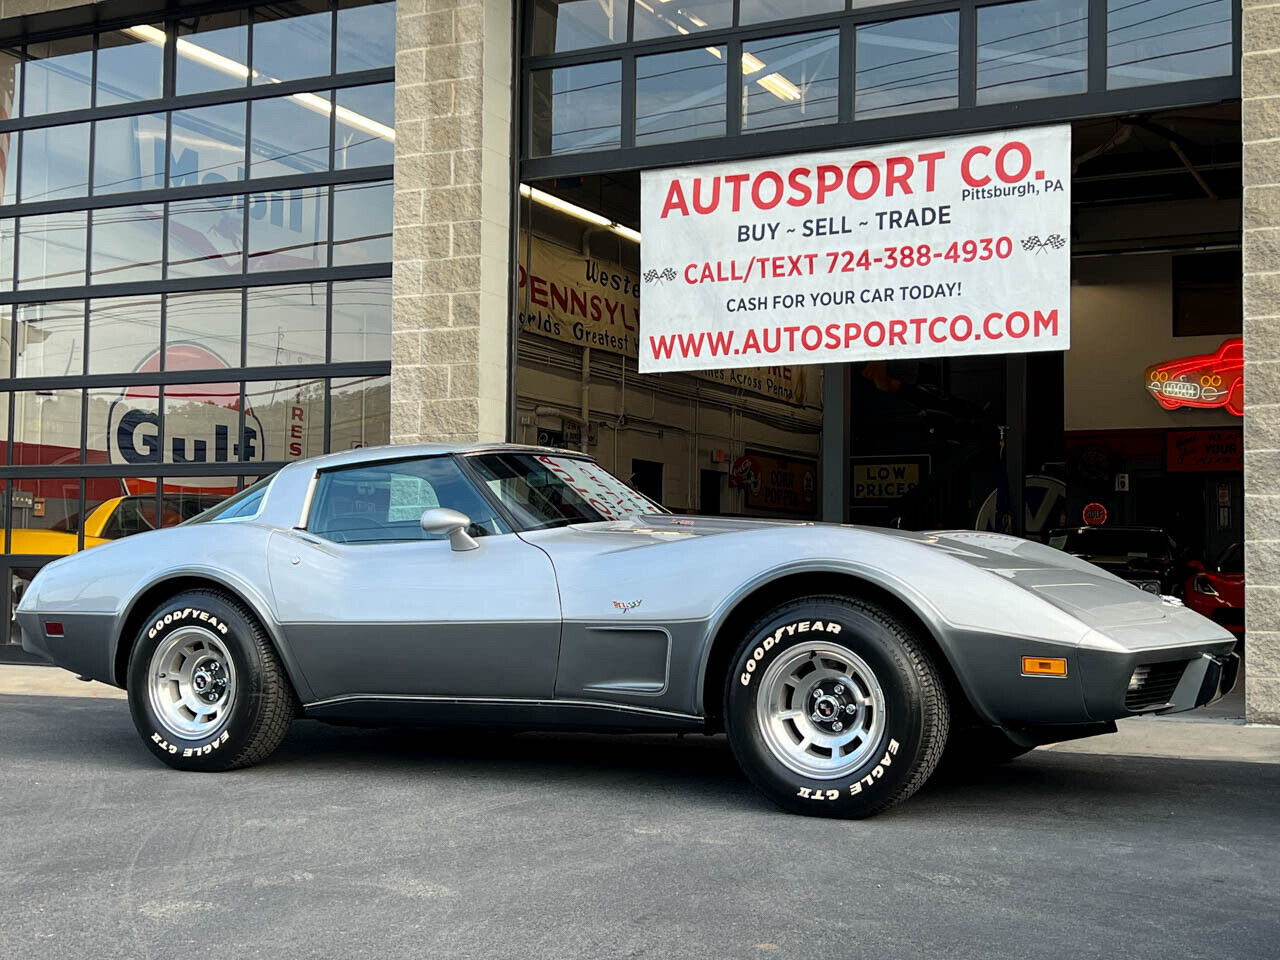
[938,247]
[889,478]
[579,299]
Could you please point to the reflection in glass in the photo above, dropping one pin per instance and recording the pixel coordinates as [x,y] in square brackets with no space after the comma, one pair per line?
[208,320]
[128,244]
[8,237]
[51,250]
[116,508]
[58,76]
[9,148]
[677,19]
[361,320]
[288,230]
[285,325]
[680,96]
[288,416]
[577,108]
[124,332]
[365,131]
[790,81]
[213,52]
[366,35]
[202,424]
[43,514]
[758,11]
[46,427]
[55,163]
[360,409]
[577,24]
[362,223]
[1167,41]
[1033,49]
[290,135]
[291,41]
[10,80]
[130,67]
[123,423]
[128,153]
[50,339]
[205,236]
[207,145]
[907,66]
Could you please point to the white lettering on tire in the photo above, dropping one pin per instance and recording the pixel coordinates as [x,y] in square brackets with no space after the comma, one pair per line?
[184,614]
[203,751]
[803,626]
[890,752]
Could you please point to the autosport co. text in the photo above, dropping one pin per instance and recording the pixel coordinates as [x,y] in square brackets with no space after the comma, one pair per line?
[1016,324]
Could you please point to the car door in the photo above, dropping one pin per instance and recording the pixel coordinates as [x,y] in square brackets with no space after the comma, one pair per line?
[371,605]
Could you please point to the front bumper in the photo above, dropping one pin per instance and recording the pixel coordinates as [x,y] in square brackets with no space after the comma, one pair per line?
[1156,681]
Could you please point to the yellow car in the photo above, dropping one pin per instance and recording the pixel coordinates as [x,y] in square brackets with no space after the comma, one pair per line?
[111,520]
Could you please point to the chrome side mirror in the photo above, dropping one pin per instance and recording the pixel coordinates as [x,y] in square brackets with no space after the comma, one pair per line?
[452,523]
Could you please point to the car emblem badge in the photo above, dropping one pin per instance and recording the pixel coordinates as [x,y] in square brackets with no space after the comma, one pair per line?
[624,607]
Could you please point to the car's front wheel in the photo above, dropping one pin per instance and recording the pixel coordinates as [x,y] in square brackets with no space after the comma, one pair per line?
[835,708]
[206,688]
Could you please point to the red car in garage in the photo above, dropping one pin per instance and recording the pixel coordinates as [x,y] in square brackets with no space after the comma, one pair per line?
[1218,592]
[1206,380]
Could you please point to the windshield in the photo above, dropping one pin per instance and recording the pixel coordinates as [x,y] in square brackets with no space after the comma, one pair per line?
[544,490]
[1103,542]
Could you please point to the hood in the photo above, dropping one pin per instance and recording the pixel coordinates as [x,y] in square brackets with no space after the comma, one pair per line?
[1081,589]
[1085,590]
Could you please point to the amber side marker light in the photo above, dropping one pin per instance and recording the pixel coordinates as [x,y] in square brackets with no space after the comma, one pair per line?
[1044,667]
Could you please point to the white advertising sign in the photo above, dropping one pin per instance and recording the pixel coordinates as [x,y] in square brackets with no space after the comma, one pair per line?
[953,246]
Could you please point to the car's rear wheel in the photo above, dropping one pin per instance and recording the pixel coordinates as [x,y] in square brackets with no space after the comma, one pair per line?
[835,708]
[206,688]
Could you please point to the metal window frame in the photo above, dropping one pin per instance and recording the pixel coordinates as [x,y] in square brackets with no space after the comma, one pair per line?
[967,117]
[104,20]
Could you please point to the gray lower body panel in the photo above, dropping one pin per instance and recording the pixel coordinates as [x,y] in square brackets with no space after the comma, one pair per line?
[86,647]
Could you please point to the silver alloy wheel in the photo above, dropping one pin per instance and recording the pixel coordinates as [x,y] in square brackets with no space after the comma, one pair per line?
[820,710]
[191,682]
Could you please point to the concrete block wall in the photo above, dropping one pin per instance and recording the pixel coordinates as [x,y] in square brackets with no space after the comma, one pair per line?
[1260,121]
[452,220]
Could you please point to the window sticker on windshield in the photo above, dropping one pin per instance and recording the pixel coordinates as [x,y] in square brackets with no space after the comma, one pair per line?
[605,493]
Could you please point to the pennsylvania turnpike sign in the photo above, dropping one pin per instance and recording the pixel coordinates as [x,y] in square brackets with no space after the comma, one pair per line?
[953,246]
[575,298]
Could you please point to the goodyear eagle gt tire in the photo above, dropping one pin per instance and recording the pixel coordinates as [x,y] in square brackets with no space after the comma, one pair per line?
[834,708]
[206,688]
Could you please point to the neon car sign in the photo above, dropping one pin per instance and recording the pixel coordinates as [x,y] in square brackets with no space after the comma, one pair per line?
[1207,380]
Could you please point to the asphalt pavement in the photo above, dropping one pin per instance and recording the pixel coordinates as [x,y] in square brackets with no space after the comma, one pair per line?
[366,843]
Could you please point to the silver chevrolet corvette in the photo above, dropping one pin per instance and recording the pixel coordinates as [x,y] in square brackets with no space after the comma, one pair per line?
[524,587]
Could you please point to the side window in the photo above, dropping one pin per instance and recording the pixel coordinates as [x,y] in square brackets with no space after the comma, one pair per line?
[384,502]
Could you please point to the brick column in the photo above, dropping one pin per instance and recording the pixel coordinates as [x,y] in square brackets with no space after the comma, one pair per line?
[454,65]
[1261,135]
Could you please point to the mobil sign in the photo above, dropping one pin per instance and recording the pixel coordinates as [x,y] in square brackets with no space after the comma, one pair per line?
[201,420]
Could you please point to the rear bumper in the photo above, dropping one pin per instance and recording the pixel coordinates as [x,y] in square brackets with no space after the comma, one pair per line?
[85,647]
[1156,681]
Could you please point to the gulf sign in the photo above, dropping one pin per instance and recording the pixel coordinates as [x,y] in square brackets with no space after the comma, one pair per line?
[201,423]
[951,246]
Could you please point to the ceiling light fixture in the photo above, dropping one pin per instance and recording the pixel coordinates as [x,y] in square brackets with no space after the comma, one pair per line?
[780,86]
[313,102]
[580,213]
